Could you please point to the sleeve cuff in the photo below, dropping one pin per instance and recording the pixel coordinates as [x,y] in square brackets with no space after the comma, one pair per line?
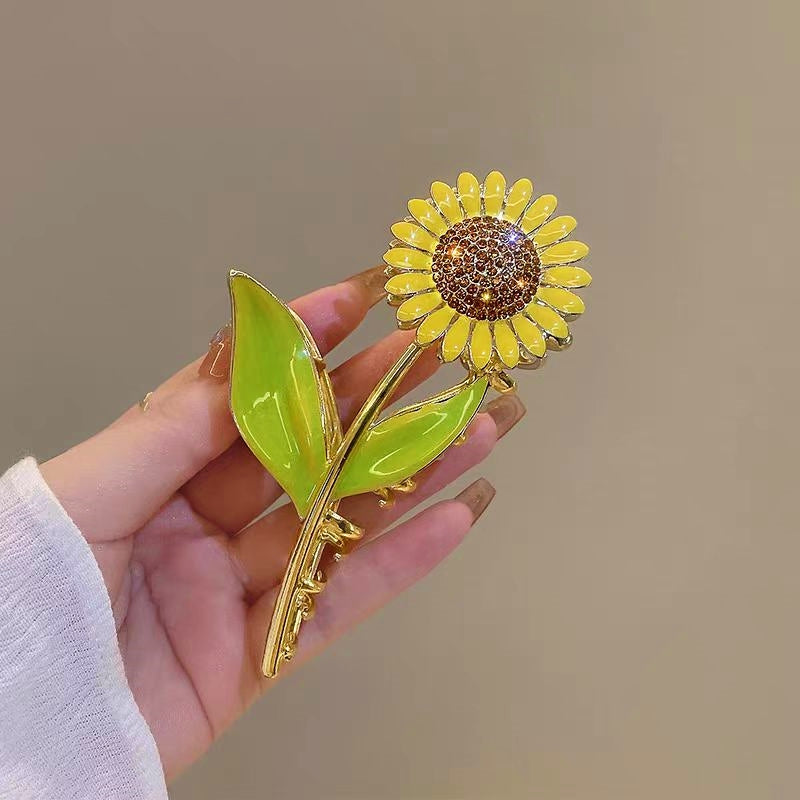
[69,725]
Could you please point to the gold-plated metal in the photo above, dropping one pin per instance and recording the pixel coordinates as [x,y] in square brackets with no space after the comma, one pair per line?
[502,382]
[479,272]
[302,578]
[386,494]
[144,403]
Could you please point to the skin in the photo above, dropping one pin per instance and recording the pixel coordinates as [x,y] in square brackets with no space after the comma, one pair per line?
[166,499]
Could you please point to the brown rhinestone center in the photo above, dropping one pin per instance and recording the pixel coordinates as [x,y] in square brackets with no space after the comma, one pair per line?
[486,268]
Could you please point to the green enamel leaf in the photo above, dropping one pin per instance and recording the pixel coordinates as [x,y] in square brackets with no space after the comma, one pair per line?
[401,445]
[278,389]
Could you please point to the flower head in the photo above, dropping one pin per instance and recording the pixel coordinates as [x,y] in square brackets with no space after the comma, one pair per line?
[481,271]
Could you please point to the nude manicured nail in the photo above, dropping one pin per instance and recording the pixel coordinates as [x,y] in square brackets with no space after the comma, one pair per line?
[371,281]
[217,362]
[476,497]
[506,411]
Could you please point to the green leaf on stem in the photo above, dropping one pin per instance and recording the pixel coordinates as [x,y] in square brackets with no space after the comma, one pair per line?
[280,393]
[400,445]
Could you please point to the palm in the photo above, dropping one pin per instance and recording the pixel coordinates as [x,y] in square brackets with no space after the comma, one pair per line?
[183,633]
[167,498]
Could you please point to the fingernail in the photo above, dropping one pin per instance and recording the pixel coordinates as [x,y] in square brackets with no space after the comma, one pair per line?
[506,411]
[217,362]
[371,281]
[476,497]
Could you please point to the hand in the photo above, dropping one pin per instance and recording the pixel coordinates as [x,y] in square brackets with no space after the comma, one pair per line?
[166,498]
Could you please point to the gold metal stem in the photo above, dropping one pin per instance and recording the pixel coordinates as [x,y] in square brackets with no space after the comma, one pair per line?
[321,505]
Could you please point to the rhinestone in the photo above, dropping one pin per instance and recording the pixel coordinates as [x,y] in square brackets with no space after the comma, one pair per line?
[485,268]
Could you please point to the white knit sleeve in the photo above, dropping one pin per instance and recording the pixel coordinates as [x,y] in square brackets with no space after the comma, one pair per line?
[69,726]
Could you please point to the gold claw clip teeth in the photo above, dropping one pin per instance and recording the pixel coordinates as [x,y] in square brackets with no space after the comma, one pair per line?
[502,382]
[340,533]
[385,497]
[314,585]
[404,487]
[387,494]
[460,439]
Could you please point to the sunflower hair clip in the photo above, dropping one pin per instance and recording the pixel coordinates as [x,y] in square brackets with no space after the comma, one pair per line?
[482,272]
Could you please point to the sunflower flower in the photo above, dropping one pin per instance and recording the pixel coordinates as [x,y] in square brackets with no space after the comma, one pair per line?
[484,273]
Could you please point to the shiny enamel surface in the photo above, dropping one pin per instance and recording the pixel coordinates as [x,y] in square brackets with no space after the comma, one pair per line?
[434,325]
[427,216]
[547,319]
[446,201]
[506,343]
[455,339]
[398,447]
[518,197]
[529,334]
[469,190]
[494,192]
[564,253]
[276,392]
[561,299]
[417,306]
[554,231]
[416,236]
[538,211]
[409,283]
[480,344]
[406,258]
[568,277]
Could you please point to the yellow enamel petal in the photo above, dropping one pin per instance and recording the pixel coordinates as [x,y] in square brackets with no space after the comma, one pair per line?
[538,211]
[564,253]
[554,231]
[574,277]
[417,306]
[480,344]
[518,197]
[549,320]
[561,300]
[403,258]
[470,192]
[445,198]
[506,343]
[427,216]
[530,336]
[434,325]
[409,283]
[494,192]
[455,339]
[412,234]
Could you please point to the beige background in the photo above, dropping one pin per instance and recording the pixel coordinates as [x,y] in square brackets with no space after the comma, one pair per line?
[623,622]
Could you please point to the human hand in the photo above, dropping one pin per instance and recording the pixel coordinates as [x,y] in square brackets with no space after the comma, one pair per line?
[167,496]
